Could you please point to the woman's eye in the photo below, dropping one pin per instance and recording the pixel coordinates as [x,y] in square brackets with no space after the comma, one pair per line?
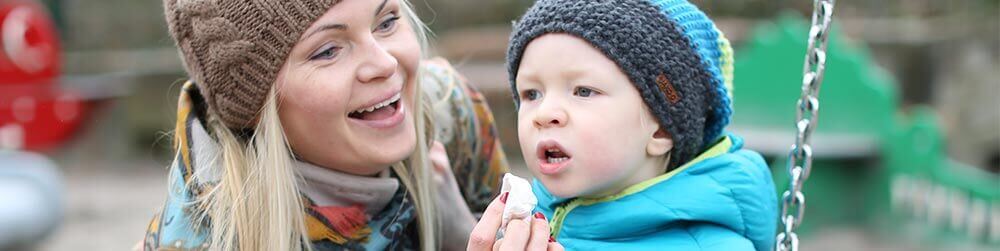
[531,95]
[583,92]
[327,53]
[387,24]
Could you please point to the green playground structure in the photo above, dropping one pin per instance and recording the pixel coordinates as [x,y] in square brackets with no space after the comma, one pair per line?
[876,165]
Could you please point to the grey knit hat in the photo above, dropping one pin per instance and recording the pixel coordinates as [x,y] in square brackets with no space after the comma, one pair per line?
[680,62]
[233,49]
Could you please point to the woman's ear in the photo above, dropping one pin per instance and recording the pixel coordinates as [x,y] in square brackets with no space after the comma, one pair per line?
[660,144]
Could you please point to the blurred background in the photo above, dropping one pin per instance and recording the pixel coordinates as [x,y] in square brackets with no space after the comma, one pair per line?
[907,148]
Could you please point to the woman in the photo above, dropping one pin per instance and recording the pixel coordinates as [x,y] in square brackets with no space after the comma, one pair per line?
[308,126]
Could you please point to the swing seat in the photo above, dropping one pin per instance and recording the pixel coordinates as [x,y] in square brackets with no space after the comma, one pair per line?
[825,145]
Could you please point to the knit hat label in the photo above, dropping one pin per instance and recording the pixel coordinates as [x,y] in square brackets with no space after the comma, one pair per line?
[667,88]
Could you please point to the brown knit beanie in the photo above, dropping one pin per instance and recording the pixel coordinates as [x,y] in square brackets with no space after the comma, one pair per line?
[234,49]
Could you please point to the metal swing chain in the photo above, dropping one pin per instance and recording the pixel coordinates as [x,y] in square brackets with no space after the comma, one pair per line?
[800,156]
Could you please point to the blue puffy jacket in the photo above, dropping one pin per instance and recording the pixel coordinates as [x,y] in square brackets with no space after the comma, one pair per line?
[724,199]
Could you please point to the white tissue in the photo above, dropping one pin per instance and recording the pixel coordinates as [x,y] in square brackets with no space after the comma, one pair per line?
[520,200]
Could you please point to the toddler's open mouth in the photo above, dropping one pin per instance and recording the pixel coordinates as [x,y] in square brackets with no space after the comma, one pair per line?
[555,155]
[552,157]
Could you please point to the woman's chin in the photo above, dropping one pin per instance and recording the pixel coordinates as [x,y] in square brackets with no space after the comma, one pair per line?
[377,162]
[390,150]
[389,157]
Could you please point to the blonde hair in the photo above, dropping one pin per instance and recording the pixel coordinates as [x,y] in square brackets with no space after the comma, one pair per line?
[256,204]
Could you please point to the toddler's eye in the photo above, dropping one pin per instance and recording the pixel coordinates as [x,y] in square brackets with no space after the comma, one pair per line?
[531,94]
[583,92]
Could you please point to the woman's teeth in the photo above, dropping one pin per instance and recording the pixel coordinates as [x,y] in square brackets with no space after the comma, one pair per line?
[379,105]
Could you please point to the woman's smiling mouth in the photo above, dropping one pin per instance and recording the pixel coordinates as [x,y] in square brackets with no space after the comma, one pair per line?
[385,113]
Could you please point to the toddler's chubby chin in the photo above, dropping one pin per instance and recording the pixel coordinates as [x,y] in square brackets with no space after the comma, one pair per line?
[562,188]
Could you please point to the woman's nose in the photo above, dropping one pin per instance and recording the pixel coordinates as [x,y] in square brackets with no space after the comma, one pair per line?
[377,64]
[550,114]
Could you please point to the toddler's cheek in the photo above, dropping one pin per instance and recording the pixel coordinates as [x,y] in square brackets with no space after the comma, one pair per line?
[602,165]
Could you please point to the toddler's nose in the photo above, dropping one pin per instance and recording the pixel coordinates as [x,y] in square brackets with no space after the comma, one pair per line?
[550,115]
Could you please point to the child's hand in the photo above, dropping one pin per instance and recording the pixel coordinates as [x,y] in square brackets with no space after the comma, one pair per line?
[518,236]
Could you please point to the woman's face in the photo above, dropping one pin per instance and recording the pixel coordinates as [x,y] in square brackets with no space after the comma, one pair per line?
[347,90]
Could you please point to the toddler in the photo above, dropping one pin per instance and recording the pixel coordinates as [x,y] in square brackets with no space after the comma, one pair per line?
[622,106]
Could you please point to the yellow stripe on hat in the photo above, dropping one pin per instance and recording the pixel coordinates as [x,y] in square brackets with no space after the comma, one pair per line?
[726,63]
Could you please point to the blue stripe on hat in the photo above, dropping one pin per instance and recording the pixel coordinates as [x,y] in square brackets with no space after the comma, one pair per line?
[705,38]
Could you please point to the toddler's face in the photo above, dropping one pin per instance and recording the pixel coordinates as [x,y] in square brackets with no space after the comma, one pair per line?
[583,128]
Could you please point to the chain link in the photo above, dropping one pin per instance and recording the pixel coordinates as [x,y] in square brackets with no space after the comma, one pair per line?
[793,201]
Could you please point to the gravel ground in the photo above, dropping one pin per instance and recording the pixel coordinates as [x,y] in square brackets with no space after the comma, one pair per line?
[108,209]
